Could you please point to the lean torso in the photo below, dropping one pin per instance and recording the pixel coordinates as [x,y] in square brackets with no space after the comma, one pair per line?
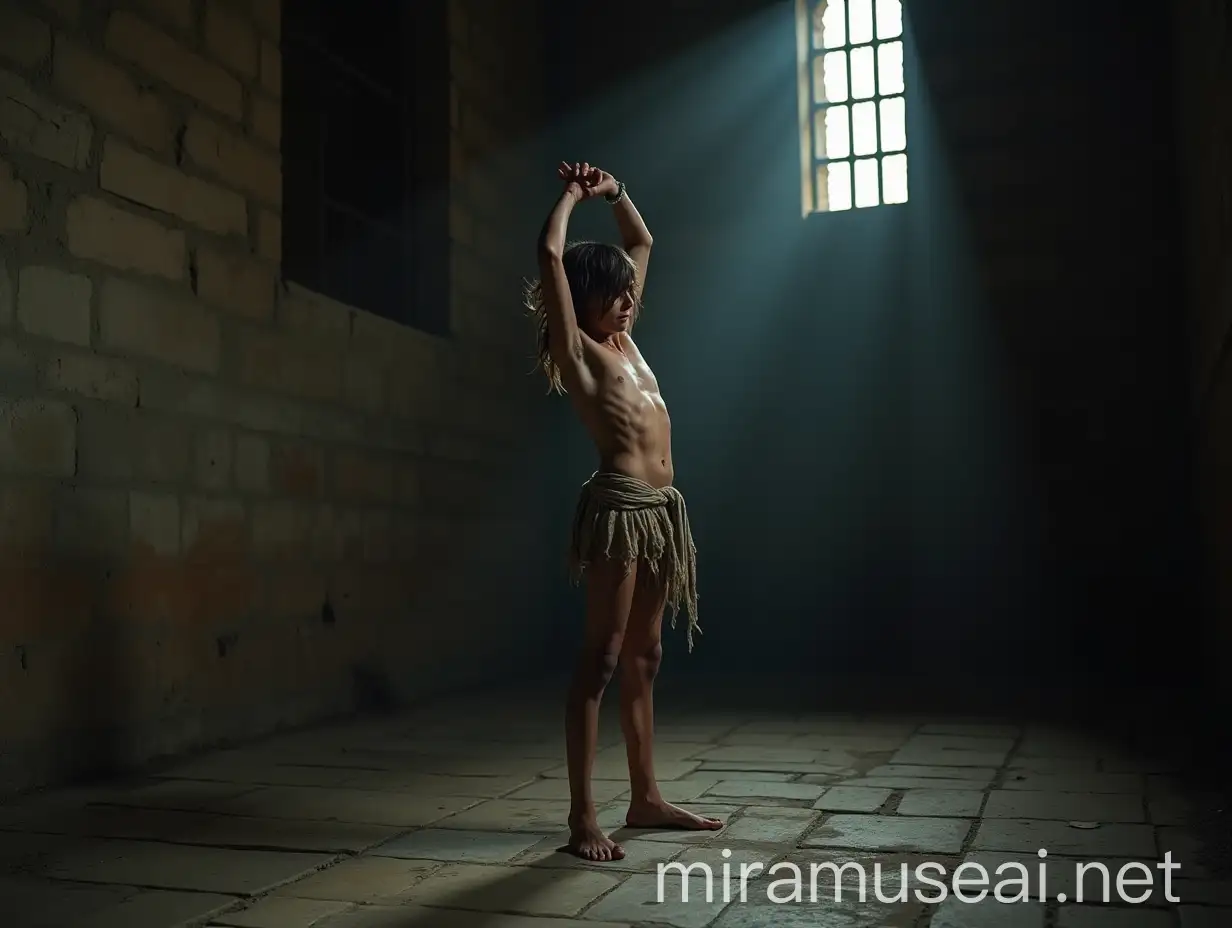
[624,412]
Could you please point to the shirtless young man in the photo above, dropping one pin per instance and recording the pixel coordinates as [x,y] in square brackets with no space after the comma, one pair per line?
[631,539]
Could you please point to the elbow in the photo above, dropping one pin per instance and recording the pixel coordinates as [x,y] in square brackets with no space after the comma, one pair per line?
[549,252]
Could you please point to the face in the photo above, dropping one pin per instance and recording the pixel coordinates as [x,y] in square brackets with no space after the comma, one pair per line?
[613,318]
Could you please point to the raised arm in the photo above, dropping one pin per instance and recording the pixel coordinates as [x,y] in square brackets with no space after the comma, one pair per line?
[634,236]
[564,334]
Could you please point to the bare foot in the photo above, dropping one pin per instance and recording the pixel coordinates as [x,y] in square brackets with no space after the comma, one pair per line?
[667,816]
[587,841]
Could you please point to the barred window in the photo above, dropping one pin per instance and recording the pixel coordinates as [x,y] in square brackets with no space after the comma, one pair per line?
[853,106]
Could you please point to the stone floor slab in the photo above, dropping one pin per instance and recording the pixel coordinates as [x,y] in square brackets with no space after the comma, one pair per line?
[852,799]
[158,908]
[619,771]
[1060,838]
[758,754]
[891,833]
[1087,916]
[849,874]
[960,742]
[457,846]
[431,784]
[640,855]
[988,913]
[234,831]
[979,776]
[763,789]
[972,729]
[906,783]
[171,866]
[416,916]
[527,890]
[345,805]
[769,825]
[928,756]
[675,902]
[372,880]
[48,903]
[282,912]
[1129,783]
[1092,807]
[538,816]
[828,771]
[557,789]
[781,910]
[944,803]
[1194,916]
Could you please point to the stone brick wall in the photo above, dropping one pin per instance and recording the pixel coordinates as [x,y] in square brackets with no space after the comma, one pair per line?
[228,504]
[1204,89]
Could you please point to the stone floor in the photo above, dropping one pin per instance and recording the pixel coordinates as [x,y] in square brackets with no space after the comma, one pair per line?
[451,818]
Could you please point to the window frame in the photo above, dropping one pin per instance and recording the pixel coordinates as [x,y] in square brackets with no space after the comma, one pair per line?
[419,283]
[810,107]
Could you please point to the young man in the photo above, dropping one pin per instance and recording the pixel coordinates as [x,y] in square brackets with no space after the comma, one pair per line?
[631,540]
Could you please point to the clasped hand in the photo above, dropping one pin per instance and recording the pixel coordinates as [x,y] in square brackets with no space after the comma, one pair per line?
[587,180]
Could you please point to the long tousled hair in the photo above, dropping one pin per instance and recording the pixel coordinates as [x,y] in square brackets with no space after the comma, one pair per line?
[597,273]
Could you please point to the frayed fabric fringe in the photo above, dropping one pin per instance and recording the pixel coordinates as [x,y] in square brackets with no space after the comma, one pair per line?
[627,520]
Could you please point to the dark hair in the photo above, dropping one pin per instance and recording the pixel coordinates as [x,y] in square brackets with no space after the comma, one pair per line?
[596,272]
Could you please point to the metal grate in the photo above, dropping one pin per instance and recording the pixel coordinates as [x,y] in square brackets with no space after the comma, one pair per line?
[855,120]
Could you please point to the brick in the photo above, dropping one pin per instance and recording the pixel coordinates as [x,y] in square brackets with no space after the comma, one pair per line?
[132,446]
[54,304]
[235,283]
[297,470]
[38,437]
[14,201]
[18,366]
[281,529]
[148,322]
[212,459]
[362,477]
[232,40]
[137,177]
[154,520]
[30,122]
[178,13]
[91,521]
[265,120]
[304,313]
[26,518]
[269,235]
[364,383]
[98,231]
[271,68]
[268,16]
[111,95]
[233,159]
[67,10]
[93,376]
[6,295]
[215,529]
[24,40]
[252,460]
[288,365]
[163,57]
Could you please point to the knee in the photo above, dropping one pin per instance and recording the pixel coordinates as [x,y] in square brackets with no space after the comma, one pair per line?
[645,661]
[598,663]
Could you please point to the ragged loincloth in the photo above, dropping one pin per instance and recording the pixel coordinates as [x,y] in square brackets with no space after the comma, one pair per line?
[627,520]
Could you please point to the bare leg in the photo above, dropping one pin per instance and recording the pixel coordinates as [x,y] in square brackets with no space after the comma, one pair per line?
[609,596]
[640,658]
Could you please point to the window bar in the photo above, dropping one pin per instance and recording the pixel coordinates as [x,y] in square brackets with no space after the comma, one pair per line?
[813,109]
[851,107]
[877,100]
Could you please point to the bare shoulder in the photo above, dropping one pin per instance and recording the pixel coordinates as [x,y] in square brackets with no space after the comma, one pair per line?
[627,342]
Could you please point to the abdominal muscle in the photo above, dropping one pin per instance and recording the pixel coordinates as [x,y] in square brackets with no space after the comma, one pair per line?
[631,431]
